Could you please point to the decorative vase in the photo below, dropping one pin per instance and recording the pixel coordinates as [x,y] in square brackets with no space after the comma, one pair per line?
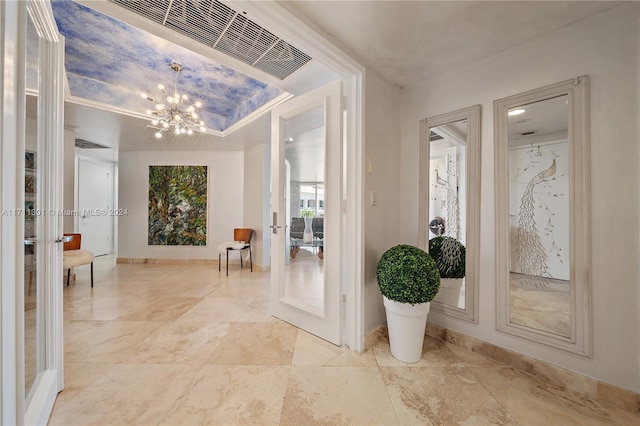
[307,235]
[406,324]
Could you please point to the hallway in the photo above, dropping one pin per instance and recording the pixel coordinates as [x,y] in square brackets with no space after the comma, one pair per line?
[186,345]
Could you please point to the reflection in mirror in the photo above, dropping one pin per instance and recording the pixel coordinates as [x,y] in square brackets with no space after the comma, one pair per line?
[449,207]
[542,215]
[33,347]
[447,203]
[539,215]
[304,248]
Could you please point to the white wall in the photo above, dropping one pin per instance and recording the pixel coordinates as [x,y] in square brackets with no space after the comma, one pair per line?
[382,155]
[225,198]
[606,48]
[256,201]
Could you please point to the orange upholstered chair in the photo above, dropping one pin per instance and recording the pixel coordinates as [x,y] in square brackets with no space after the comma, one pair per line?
[241,243]
[74,256]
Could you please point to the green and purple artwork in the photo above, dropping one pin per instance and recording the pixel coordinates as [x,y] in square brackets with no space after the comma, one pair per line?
[177,205]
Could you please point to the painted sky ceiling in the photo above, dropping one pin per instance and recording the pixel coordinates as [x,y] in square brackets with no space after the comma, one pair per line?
[110,62]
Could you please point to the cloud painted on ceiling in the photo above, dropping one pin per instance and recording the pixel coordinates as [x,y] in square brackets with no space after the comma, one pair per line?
[110,62]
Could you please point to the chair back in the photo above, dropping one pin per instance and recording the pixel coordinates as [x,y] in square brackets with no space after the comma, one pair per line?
[243,234]
[317,226]
[73,244]
[297,227]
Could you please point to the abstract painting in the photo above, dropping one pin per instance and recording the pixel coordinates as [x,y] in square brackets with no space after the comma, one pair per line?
[177,205]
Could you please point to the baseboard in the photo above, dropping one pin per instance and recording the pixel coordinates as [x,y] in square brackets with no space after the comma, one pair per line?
[587,386]
[214,262]
[377,335]
[153,261]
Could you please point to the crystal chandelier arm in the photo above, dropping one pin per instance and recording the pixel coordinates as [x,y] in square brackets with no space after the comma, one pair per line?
[176,117]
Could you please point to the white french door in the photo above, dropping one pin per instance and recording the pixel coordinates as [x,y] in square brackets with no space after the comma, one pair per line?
[305,239]
[31,144]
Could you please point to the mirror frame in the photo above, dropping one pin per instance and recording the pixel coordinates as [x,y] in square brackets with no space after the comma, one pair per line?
[472,262]
[577,91]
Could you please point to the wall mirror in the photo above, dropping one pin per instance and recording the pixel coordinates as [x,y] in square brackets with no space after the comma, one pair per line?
[542,215]
[450,207]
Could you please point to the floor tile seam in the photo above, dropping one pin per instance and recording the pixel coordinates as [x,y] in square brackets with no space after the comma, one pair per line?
[341,348]
[485,387]
[284,398]
[187,387]
[250,365]
[387,390]
[572,396]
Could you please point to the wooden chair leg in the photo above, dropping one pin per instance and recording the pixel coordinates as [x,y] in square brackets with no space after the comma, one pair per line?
[250,259]
[91,274]
[241,265]
[68,274]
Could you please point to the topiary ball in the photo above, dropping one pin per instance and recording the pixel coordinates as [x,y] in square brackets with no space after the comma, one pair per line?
[449,255]
[407,274]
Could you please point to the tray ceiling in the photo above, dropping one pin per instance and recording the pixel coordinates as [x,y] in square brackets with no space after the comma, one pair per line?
[108,63]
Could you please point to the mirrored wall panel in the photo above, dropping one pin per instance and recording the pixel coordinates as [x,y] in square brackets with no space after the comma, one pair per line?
[449,215]
[542,187]
[539,289]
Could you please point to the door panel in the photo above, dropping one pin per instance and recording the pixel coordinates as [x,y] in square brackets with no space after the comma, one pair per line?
[94,205]
[43,151]
[306,182]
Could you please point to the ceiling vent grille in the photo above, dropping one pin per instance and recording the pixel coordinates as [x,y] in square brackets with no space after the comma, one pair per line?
[433,136]
[218,26]
[84,144]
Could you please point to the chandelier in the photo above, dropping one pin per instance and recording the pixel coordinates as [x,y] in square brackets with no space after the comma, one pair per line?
[177,116]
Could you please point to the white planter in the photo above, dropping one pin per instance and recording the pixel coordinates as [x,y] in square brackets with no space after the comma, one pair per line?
[406,324]
[307,234]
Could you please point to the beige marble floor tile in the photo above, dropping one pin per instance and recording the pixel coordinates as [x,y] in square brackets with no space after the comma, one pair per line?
[441,396]
[78,376]
[242,359]
[229,310]
[129,394]
[311,350]
[472,359]
[435,353]
[179,343]
[104,341]
[179,288]
[256,344]
[535,402]
[230,395]
[161,309]
[245,289]
[127,307]
[350,358]
[318,395]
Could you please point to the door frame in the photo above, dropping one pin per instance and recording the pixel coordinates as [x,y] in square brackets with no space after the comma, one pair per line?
[280,19]
[13,17]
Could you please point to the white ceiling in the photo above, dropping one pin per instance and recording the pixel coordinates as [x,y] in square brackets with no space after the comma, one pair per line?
[407,42]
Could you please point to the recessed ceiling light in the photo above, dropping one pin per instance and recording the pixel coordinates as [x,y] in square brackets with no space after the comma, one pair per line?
[516,112]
